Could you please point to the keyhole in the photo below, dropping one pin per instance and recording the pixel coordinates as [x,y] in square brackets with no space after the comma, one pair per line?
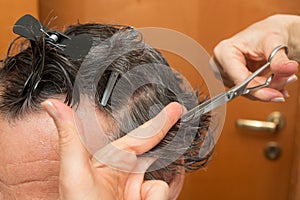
[272,151]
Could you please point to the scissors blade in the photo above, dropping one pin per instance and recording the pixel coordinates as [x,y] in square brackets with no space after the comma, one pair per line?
[224,97]
[206,106]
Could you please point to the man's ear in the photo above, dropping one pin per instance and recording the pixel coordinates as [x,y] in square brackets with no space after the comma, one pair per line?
[176,184]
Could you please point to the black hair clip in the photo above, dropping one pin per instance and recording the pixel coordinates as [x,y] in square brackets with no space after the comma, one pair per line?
[74,46]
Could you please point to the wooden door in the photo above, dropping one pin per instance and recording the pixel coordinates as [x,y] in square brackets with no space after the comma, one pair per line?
[238,168]
[11,11]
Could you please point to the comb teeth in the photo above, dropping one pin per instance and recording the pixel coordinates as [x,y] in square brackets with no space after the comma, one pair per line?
[76,46]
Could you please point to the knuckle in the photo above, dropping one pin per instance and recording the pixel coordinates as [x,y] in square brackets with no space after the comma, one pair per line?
[221,46]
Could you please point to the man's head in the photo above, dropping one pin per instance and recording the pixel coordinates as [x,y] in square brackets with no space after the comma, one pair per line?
[145,84]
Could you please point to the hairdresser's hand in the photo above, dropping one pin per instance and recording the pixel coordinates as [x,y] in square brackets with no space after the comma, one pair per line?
[83,177]
[243,53]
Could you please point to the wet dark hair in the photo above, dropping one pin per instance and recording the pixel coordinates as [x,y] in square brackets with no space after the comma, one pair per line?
[47,73]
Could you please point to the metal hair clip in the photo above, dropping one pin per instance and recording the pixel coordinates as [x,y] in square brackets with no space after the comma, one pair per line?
[109,87]
[234,92]
[74,46]
[54,37]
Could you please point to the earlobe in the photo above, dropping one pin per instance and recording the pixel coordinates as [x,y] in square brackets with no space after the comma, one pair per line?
[177,184]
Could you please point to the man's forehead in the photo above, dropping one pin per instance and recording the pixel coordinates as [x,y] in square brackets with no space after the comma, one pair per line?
[27,144]
[36,133]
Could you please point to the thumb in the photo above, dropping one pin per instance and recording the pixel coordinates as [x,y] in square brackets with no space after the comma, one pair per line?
[282,66]
[73,156]
[283,69]
[155,189]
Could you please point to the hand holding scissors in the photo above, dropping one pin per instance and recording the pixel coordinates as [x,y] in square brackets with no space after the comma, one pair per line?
[235,91]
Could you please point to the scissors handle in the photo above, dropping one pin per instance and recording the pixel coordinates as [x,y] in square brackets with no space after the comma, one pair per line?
[245,89]
[275,50]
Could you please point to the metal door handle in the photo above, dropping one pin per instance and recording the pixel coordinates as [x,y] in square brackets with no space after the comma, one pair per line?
[275,122]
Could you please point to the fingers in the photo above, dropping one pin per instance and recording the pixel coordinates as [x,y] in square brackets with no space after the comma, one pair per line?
[284,74]
[136,179]
[155,189]
[231,63]
[149,134]
[121,153]
[73,156]
[268,94]
[282,66]
[280,82]
[284,71]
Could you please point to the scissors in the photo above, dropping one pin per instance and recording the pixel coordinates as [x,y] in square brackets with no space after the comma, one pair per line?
[234,92]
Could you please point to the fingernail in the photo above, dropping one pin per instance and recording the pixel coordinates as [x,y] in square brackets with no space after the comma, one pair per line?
[292,79]
[278,99]
[50,108]
[285,94]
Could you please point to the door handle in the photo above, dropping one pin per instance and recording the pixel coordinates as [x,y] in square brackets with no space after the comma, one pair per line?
[275,122]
